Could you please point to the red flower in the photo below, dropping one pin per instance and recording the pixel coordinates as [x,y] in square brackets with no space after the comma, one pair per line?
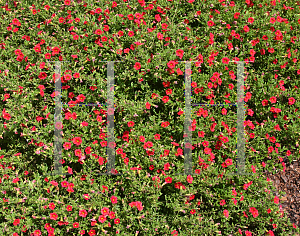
[171,64]
[157,18]
[225,60]
[278,33]
[250,20]
[165,99]
[106,28]
[130,33]
[174,233]
[222,202]
[105,211]
[273,99]
[193,211]
[189,179]
[18,51]
[82,213]
[272,20]
[210,23]
[228,162]
[130,17]
[246,28]
[271,233]
[264,102]
[165,124]
[166,84]
[76,75]
[142,139]
[154,95]
[104,39]
[236,15]
[148,105]
[254,211]
[179,53]
[6,116]
[294,226]
[47,56]
[67,77]
[53,216]
[120,33]
[276,200]
[272,139]
[226,213]
[112,215]
[271,50]
[16,222]
[51,205]
[137,66]
[92,232]
[291,101]
[37,48]
[179,185]
[114,199]
[15,21]
[55,50]
[160,36]
[39,118]
[130,124]
[67,145]
[248,233]
[168,180]
[36,232]
[98,10]
[77,141]
[102,218]
[75,225]
[80,98]
[98,31]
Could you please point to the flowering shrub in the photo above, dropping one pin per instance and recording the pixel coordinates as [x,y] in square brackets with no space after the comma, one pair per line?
[148,39]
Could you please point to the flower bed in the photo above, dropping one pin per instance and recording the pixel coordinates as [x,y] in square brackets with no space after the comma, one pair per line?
[152,42]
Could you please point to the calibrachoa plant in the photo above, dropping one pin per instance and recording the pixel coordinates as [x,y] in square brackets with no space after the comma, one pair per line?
[149,39]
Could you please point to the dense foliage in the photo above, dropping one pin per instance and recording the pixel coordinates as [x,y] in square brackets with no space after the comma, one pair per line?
[151,42]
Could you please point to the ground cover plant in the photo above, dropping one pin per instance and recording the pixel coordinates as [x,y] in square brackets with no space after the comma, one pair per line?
[150,38]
